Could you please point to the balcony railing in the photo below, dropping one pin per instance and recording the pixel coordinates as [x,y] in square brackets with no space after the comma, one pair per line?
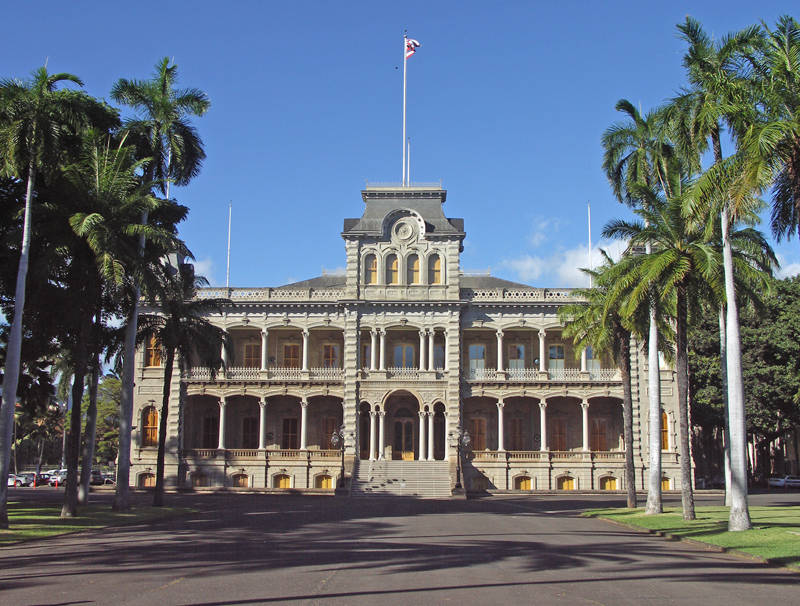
[254,453]
[196,374]
[532,375]
[397,372]
[487,456]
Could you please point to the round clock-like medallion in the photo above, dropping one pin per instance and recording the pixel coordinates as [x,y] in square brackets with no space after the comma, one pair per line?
[403,230]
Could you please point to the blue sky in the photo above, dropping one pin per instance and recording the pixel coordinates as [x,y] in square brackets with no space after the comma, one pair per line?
[506,105]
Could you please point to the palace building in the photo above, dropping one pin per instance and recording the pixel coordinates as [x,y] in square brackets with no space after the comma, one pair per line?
[404,374]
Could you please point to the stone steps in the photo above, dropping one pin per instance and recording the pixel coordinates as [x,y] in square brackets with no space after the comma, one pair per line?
[421,479]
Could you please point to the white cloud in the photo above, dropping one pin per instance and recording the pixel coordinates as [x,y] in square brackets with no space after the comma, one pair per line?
[205,267]
[787,269]
[527,267]
[542,230]
[564,267]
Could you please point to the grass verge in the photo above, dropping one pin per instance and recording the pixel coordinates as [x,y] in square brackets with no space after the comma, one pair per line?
[29,521]
[775,536]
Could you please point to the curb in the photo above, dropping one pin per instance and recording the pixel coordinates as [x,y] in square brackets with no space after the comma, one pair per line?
[706,546]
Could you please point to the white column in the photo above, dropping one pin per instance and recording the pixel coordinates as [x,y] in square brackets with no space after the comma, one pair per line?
[305,350]
[381,435]
[430,436]
[224,354]
[431,357]
[264,349]
[371,435]
[446,351]
[499,351]
[542,363]
[383,349]
[583,360]
[303,423]
[446,436]
[585,409]
[500,436]
[422,350]
[422,441]
[543,425]
[373,349]
[262,424]
[221,443]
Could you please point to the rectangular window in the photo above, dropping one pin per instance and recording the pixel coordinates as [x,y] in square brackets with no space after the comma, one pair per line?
[477,356]
[210,438]
[366,354]
[289,436]
[252,355]
[515,435]
[438,356]
[558,434]
[592,362]
[516,356]
[404,356]
[291,355]
[556,357]
[152,354]
[599,434]
[250,432]
[330,356]
[477,430]
[329,425]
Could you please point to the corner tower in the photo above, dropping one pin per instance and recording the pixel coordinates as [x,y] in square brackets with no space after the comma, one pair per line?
[403,247]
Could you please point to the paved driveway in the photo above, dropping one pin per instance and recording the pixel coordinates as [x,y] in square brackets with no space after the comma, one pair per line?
[259,549]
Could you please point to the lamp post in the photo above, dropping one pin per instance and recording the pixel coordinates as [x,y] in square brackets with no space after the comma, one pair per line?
[462,441]
[337,439]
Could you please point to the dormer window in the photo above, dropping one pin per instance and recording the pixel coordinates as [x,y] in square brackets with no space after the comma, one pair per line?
[434,270]
[370,270]
[392,272]
[413,270]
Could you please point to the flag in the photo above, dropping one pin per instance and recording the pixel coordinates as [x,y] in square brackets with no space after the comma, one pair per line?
[411,47]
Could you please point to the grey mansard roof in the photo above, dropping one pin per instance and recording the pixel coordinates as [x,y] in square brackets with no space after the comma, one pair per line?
[425,202]
[474,282]
[327,281]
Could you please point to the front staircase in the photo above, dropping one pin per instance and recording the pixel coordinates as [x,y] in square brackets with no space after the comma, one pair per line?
[421,479]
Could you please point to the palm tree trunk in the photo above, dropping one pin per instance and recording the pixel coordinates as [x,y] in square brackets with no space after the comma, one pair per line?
[89,436]
[726,432]
[624,365]
[70,506]
[158,495]
[122,491]
[653,505]
[682,377]
[739,514]
[14,349]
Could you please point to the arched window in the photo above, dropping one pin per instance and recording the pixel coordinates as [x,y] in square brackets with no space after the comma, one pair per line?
[240,480]
[392,273]
[150,426]
[434,269]
[664,431]
[147,480]
[413,270]
[152,354]
[324,482]
[522,483]
[370,270]
[281,481]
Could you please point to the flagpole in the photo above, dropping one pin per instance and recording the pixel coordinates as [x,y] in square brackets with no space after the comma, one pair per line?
[589,211]
[405,62]
[408,162]
[228,270]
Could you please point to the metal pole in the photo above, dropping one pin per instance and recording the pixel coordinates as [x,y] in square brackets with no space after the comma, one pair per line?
[228,269]
[589,210]
[405,62]
[408,162]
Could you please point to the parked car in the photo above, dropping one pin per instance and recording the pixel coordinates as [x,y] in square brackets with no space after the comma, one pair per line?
[14,480]
[58,478]
[97,478]
[25,479]
[785,481]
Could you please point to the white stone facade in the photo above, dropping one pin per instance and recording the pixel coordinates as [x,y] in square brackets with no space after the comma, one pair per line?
[401,355]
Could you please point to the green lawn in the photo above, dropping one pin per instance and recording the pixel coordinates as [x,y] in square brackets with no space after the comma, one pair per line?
[775,535]
[29,521]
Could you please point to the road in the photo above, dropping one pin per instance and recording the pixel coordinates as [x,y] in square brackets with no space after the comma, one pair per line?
[262,549]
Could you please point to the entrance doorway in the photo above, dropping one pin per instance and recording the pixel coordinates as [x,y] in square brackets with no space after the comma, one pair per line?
[403,441]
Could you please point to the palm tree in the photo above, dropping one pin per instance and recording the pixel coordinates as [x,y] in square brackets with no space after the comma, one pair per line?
[719,94]
[679,267]
[181,329]
[597,323]
[175,154]
[637,154]
[36,120]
